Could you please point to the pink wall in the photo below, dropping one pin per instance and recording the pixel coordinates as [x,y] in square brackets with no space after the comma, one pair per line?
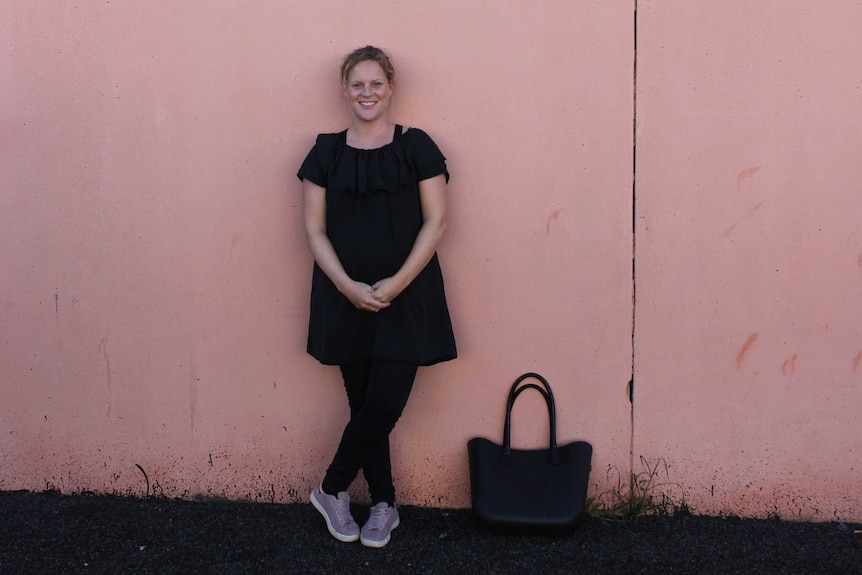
[154,278]
[749,253]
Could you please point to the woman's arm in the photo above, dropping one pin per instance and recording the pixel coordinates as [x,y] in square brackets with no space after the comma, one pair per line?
[432,196]
[359,294]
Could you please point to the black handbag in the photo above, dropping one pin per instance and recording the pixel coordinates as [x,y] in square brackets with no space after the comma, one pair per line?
[529,490]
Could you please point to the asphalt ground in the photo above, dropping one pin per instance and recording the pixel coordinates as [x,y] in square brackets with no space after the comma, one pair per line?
[94,534]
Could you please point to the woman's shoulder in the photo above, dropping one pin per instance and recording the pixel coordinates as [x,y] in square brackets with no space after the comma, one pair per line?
[424,153]
[330,136]
[326,143]
[413,133]
[418,139]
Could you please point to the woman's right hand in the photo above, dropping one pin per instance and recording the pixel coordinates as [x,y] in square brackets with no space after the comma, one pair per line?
[360,295]
[321,248]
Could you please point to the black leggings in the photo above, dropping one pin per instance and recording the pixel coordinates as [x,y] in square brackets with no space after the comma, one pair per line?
[377,392]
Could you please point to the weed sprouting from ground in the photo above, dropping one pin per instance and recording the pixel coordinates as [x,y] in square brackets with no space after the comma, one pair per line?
[646,493]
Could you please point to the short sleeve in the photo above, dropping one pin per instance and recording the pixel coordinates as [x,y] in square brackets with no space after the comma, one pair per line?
[315,167]
[427,158]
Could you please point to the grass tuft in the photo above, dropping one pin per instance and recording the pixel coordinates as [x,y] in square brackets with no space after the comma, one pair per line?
[646,493]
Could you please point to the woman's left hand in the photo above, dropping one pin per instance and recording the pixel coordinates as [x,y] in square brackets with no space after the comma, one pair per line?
[386,290]
[432,196]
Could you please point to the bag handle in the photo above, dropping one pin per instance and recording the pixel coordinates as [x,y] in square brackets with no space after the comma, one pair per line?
[546,392]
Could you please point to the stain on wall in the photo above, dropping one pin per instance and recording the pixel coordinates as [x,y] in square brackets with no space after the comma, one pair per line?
[740,357]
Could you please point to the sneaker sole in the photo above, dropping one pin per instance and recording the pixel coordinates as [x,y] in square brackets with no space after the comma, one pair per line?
[332,531]
[379,544]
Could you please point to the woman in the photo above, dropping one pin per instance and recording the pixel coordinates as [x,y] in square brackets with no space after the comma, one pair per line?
[375,210]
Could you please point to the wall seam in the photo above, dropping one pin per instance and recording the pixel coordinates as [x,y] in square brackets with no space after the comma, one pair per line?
[631,386]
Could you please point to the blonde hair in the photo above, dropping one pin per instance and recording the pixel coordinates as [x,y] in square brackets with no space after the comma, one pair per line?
[364,54]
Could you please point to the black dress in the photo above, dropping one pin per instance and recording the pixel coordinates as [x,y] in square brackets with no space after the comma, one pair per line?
[373,215]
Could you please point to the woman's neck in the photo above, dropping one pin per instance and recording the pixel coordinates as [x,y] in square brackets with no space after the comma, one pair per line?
[370,135]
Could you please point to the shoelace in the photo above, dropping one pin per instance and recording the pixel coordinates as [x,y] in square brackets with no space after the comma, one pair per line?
[342,511]
[378,517]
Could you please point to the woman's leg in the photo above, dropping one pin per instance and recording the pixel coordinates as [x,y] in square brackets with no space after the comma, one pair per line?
[393,379]
[377,392]
[377,467]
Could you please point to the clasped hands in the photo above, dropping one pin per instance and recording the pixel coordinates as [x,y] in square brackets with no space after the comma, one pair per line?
[375,297]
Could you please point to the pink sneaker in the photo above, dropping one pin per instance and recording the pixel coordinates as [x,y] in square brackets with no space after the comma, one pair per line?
[336,511]
[377,531]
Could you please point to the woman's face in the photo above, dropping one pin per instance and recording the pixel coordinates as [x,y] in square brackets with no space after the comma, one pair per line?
[368,91]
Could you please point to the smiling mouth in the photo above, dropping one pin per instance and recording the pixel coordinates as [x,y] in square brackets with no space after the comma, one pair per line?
[367,104]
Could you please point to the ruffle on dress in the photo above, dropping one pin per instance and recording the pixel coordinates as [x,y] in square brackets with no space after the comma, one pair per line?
[363,172]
